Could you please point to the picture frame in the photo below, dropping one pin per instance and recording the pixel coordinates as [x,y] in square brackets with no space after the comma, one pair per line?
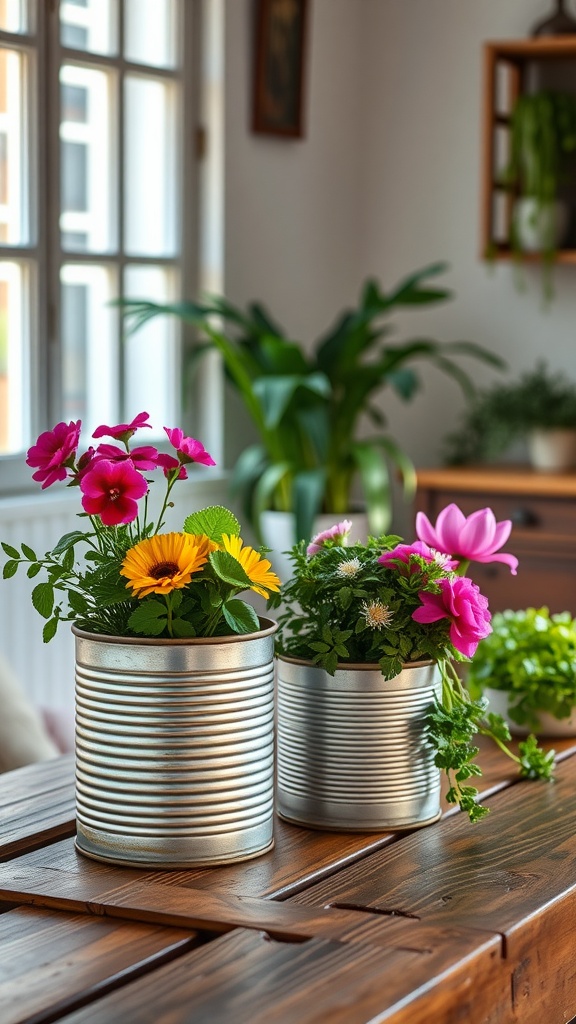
[279,67]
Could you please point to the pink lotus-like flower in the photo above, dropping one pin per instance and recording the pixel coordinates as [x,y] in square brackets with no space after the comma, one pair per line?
[143,458]
[54,452]
[169,464]
[124,431]
[110,490]
[473,538]
[188,448]
[333,536]
[402,552]
[461,602]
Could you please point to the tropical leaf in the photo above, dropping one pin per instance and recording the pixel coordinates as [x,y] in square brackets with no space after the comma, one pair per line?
[308,489]
[375,479]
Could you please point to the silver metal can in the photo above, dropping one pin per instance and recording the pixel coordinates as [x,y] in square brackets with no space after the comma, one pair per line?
[352,750]
[175,748]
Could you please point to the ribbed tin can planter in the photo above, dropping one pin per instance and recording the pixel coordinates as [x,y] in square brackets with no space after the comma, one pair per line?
[175,748]
[352,753]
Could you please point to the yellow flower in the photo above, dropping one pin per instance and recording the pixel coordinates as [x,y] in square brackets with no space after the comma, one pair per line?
[165,562]
[257,568]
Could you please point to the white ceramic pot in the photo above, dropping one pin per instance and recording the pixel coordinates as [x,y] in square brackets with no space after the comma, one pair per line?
[279,534]
[548,725]
[540,228]
[552,451]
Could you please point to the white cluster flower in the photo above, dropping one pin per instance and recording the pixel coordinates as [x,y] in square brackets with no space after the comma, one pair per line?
[377,614]
[349,568]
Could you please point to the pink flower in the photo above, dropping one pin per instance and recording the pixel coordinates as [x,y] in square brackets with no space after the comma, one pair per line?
[189,450]
[110,490]
[474,538]
[53,452]
[123,431]
[402,553]
[334,535]
[460,601]
[169,464]
[143,458]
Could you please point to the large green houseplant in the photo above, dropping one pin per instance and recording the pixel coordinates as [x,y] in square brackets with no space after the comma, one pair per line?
[308,402]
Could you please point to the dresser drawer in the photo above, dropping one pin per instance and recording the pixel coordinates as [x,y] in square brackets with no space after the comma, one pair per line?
[553,518]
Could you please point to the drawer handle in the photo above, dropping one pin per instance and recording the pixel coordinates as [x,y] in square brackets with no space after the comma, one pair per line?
[523,517]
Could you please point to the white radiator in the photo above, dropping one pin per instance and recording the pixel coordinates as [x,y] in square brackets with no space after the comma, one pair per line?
[46,671]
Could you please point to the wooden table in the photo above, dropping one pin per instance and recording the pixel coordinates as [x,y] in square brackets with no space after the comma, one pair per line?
[452,923]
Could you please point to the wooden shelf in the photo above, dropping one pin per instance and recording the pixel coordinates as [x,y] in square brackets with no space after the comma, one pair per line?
[509,66]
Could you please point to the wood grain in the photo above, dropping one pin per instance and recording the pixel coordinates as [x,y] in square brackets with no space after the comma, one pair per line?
[37,805]
[247,977]
[53,962]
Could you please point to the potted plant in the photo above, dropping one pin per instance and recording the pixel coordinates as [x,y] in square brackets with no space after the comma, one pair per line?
[527,669]
[539,406]
[174,671]
[309,402]
[542,157]
[370,705]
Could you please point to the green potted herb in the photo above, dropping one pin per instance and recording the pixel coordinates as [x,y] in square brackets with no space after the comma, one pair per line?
[539,406]
[308,402]
[542,157]
[527,669]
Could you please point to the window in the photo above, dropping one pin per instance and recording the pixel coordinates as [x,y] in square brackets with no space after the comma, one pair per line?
[97,201]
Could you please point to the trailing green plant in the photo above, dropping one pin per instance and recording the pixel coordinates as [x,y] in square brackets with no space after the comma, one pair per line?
[308,402]
[543,141]
[497,416]
[531,655]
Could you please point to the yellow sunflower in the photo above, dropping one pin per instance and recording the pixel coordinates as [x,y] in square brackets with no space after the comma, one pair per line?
[165,562]
[257,568]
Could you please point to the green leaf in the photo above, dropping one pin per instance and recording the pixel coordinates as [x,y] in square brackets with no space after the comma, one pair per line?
[240,616]
[213,522]
[10,568]
[33,570]
[50,629]
[181,628]
[68,560]
[68,540]
[308,491]
[228,569]
[43,599]
[149,618]
[30,554]
[78,602]
[10,551]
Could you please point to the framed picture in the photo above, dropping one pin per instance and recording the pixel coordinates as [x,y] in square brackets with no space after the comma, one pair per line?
[279,66]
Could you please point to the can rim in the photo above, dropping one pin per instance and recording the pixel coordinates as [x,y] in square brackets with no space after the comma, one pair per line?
[268,628]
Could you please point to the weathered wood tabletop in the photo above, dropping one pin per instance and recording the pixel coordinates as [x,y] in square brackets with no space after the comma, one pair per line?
[451,923]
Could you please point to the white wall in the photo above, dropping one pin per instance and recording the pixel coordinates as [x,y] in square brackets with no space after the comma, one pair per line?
[386,181]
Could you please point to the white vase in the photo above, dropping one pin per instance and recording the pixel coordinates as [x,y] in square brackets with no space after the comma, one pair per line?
[540,227]
[279,534]
[552,451]
[547,724]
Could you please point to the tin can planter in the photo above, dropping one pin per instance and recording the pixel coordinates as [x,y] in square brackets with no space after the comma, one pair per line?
[352,750]
[548,725]
[175,748]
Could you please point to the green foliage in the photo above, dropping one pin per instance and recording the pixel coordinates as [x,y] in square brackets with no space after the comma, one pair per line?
[501,414]
[308,402]
[543,143]
[213,522]
[531,655]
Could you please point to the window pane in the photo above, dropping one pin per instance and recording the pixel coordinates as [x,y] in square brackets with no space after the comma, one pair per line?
[151,355]
[14,15]
[13,148]
[89,25]
[150,32]
[89,345]
[14,359]
[86,160]
[150,167]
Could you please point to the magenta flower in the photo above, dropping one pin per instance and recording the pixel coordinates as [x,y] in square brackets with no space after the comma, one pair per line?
[54,452]
[123,431]
[474,538]
[402,552]
[334,535]
[143,458]
[169,464]
[110,490]
[461,602]
[189,450]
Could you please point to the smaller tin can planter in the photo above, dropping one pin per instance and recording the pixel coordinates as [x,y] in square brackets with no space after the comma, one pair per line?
[548,725]
[352,750]
[175,748]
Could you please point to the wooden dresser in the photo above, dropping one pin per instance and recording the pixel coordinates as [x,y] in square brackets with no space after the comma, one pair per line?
[542,507]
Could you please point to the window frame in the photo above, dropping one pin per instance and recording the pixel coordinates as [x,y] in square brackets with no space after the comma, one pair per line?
[44,250]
